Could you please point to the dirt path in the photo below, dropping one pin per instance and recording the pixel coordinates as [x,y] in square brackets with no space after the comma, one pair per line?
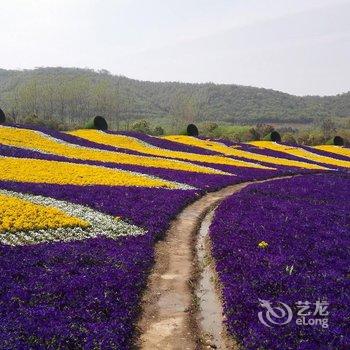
[166,322]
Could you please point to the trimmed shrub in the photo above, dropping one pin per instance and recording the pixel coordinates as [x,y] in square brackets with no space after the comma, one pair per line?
[2,116]
[98,123]
[273,136]
[337,141]
[192,130]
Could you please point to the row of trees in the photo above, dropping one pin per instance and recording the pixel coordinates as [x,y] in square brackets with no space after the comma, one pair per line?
[72,95]
[66,101]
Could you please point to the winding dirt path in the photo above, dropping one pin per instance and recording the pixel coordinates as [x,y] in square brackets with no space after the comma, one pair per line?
[167,304]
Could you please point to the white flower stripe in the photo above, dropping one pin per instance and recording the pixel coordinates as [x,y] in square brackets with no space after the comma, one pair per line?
[101,224]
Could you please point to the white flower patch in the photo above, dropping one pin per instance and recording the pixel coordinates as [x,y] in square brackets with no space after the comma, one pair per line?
[100,224]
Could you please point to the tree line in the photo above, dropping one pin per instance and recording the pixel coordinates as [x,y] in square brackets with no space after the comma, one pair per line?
[72,95]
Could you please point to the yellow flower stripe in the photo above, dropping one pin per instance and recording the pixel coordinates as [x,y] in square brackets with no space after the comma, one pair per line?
[43,171]
[231,151]
[30,139]
[21,215]
[300,152]
[132,143]
[334,149]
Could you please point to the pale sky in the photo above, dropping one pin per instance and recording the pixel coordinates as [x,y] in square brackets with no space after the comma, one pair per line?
[296,46]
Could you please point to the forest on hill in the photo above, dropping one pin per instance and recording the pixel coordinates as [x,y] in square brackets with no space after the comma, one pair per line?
[71,96]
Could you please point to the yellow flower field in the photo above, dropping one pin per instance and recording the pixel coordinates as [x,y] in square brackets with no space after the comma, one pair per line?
[21,215]
[134,144]
[42,171]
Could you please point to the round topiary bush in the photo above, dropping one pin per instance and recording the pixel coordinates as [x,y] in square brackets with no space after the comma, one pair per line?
[336,141]
[2,116]
[192,130]
[98,123]
[273,136]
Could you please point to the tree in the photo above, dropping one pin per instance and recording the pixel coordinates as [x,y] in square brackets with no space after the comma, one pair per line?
[33,119]
[328,128]
[184,109]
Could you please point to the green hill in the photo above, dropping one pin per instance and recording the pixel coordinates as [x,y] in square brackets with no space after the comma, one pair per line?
[73,95]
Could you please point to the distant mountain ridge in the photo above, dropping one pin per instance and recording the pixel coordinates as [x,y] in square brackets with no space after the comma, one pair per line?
[75,92]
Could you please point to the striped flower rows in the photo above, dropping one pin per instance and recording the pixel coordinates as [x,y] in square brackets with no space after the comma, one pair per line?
[307,158]
[39,141]
[133,144]
[74,260]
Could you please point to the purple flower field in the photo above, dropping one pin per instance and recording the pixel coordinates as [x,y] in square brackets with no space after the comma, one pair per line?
[86,294]
[285,241]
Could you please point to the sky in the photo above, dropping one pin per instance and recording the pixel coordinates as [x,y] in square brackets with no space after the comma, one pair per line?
[300,47]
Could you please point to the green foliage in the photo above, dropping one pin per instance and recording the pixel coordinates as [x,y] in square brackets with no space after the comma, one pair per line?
[141,126]
[264,129]
[289,138]
[311,138]
[226,131]
[71,95]
[253,135]
[328,128]
[158,131]
[49,122]
[208,127]
[33,120]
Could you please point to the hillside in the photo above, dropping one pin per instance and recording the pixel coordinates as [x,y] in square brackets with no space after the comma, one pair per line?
[72,95]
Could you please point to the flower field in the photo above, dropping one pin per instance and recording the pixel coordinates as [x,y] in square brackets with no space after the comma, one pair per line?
[81,211]
[286,241]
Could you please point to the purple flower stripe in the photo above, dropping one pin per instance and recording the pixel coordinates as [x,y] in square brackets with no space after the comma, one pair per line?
[248,174]
[316,247]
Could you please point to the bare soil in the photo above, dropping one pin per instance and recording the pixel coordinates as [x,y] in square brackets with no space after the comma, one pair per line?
[166,321]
